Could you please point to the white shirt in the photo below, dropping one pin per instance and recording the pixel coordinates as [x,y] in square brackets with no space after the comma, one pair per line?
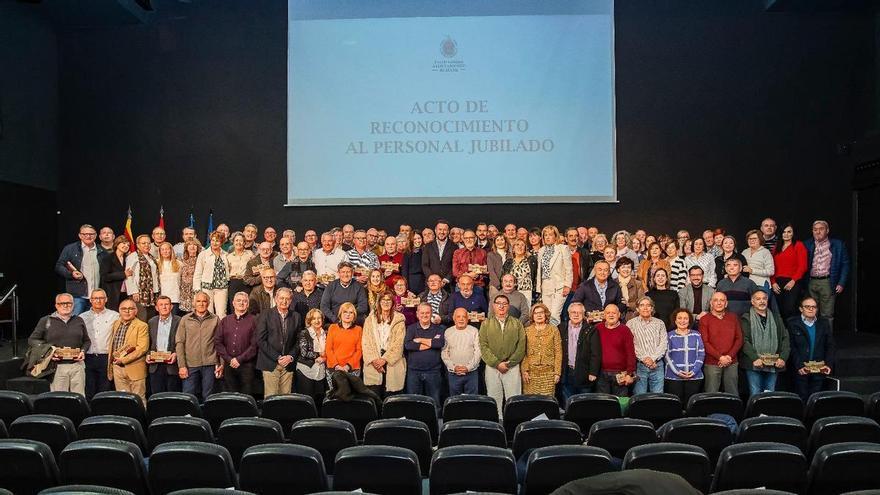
[169,282]
[98,326]
[328,262]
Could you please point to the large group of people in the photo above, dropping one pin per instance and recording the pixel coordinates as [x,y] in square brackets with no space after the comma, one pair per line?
[445,310]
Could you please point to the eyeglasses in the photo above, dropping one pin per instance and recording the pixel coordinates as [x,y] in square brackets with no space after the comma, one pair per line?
[127,309]
[99,298]
[88,234]
[65,304]
[501,303]
[810,306]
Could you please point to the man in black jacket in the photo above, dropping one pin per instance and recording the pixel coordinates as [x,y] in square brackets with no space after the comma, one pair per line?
[163,375]
[599,291]
[437,255]
[811,340]
[64,329]
[581,353]
[276,341]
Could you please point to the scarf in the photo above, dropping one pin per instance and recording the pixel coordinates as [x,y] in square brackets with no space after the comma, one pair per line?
[145,279]
[545,260]
[763,337]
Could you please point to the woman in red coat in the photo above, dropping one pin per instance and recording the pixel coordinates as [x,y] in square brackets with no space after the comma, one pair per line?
[790,259]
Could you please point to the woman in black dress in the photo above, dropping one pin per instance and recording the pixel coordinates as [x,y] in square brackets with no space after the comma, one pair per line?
[112,270]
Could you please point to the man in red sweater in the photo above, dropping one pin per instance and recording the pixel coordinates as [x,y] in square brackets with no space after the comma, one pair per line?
[722,336]
[618,354]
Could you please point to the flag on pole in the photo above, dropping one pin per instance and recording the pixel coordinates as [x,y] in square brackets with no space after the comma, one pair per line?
[210,226]
[162,217]
[192,219]
[127,229]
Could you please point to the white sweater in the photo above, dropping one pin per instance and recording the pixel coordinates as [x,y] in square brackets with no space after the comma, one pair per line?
[761,264]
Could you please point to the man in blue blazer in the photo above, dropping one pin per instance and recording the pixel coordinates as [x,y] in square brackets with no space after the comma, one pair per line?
[828,268]
[588,293]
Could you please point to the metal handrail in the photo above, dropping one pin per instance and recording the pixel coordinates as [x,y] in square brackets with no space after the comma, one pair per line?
[12,297]
[8,293]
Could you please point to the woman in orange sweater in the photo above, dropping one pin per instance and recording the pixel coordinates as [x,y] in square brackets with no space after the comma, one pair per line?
[343,348]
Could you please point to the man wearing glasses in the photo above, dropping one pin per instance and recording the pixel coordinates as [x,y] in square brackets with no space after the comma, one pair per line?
[64,329]
[503,346]
[99,321]
[811,340]
[128,345]
[78,266]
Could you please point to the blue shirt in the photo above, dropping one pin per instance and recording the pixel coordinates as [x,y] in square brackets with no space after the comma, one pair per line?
[811,334]
[162,332]
[601,290]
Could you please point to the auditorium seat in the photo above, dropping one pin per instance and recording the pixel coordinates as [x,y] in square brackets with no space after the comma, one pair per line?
[282,468]
[844,467]
[225,405]
[405,433]
[178,428]
[772,465]
[544,432]
[210,491]
[617,436]
[832,403]
[68,404]
[779,429]
[105,462]
[467,406]
[752,491]
[4,433]
[327,435]
[378,468]
[84,490]
[411,406]
[53,430]
[237,434]
[165,404]
[837,429]
[872,407]
[786,404]
[550,467]
[358,411]
[658,408]
[287,409]
[706,403]
[26,466]
[688,461]
[712,435]
[472,468]
[526,407]
[586,409]
[119,403]
[116,428]
[472,432]
[14,405]
[180,465]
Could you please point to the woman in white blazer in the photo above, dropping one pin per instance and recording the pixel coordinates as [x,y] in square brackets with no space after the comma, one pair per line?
[212,275]
[554,272]
[142,287]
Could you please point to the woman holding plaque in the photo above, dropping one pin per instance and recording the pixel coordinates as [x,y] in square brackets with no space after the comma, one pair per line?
[685,353]
[375,286]
[311,369]
[495,262]
[541,367]
[382,344]
[405,302]
[112,271]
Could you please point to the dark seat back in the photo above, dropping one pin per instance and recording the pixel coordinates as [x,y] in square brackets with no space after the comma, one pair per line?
[706,403]
[405,433]
[777,466]
[688,461]
[237,434]
[114,427]
[466,406]
[472,468]
[178,428]
[26,466]
[14,404]
[104,462]
[326,435]
[358,412]
[472,432]
[521,408]
[165,404]
[617,436]
[287,409]
[378,468]
[220,407]
[712,435]
[545,432]
[832,403]
[282,468]
[844,467]
[786,404]
[550,467]
[411,406]
[838,429]
[119,403]
[4,433]
[53,430]
[586,409]
[872,407]
[180,465]
[85,490]
[658,408]
[68,404]
[778,429]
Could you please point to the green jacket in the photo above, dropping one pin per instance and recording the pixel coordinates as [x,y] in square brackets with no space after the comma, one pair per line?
[748,353]
[497,346]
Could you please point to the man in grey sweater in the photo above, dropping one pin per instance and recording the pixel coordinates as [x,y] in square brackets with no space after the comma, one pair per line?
[63,329]
[343,290]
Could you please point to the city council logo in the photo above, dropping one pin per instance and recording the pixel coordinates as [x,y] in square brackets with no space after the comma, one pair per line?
[448,47]
[450,62]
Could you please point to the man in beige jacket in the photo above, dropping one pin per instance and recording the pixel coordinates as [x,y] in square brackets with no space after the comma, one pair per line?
[196,355]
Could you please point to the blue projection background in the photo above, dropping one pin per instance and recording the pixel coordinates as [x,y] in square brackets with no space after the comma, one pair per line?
[402,103]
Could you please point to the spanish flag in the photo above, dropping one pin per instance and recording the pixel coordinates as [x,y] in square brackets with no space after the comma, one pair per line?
[162,217]
[128,235]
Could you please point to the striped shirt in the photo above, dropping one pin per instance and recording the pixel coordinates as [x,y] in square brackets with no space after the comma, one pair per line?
[705,261]
[678,276]
[649,337]
[367,259]
[685,353]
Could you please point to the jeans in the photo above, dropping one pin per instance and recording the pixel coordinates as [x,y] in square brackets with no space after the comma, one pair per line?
[568,387]
[239,379]
[96,375]
[650,380]
[424,383]
[81,305]
[200,379]
[463,384]
[761,381]
[161,381]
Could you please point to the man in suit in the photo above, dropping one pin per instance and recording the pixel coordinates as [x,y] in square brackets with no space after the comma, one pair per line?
[811,340]
[581,353]
[129,341]
[696,295]
[276,344]
[600,291]
[437,255]
[78,266]
[163,332]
